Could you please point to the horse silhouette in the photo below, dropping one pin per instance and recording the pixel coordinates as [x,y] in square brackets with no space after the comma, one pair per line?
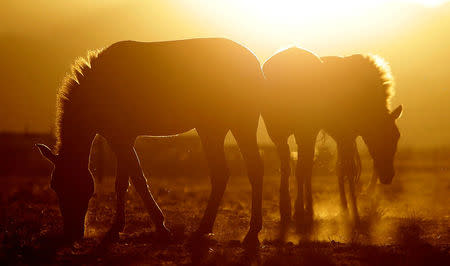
[344,96]
[158,89]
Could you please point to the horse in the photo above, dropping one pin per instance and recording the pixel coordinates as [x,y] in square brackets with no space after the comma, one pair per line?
[346,97]
[164,88]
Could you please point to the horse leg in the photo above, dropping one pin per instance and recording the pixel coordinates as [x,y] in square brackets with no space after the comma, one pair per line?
[129,164]
[213,145]
[347,167]
[373,183]
[354,204]
[140,183]
[285,169]
[121,188]
[306,147]
[341,179]
[246,139]
[342,193]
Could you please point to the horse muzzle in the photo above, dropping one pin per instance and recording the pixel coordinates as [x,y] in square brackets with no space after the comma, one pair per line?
[73,230]
[386,177]
[385,174]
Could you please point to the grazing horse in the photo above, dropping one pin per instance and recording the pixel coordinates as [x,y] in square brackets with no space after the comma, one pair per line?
[344,96]
[158,89]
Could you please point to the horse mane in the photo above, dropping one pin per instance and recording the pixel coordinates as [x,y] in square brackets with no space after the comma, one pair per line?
[385,79]
[80,70]
[372,75]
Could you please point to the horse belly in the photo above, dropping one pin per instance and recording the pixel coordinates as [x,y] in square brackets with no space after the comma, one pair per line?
[163,123]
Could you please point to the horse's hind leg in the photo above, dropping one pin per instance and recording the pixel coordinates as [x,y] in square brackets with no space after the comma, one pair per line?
[354,204]
[213,146]
[306,148]
[140,183]
[285,169]
[129,166]
[347,167]
[246,139]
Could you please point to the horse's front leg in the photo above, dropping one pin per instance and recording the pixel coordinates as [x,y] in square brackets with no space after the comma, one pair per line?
[341,181]
[129,166]
[121,187]
[246,139]
[140,183]
[373,183]
[347,152]
[341,174]
[306,147]
[213,146]
[354,204]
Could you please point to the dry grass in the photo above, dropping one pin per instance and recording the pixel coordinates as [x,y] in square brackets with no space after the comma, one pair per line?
[389,233]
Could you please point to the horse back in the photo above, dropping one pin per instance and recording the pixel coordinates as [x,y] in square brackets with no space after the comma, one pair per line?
[176,84]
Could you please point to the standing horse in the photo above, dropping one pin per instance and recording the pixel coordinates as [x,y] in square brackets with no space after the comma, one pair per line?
[344,96]
[158,89]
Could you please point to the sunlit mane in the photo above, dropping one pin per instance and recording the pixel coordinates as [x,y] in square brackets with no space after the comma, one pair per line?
[79,71]
[385,75]
[379,82]
[367,77]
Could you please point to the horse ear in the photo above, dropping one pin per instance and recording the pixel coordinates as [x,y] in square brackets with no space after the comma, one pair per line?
[46,152]
[397,112]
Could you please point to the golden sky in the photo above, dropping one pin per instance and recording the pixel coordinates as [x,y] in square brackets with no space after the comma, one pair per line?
[40,39]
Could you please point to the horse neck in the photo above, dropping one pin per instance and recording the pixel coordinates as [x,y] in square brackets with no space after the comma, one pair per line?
[75,141]
[371,119]
[77,150]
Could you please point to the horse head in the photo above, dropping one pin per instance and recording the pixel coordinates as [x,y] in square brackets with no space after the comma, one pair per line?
[74,186]
[381,140]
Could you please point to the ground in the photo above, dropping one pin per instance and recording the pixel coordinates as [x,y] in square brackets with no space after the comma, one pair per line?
[406,223]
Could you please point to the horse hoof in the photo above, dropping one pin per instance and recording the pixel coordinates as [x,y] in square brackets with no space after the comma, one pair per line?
[251,241]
